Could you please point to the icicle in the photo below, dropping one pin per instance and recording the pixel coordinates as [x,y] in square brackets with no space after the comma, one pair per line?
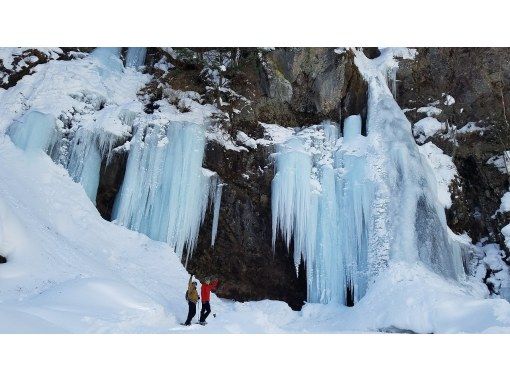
[85,162]
[216,210]
[391,78]
[135,57]
[165,193]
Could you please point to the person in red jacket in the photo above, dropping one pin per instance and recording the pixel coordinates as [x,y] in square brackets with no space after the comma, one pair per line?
[205,293]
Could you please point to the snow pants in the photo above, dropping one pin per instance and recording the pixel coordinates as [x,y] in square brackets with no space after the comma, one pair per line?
[192,310]
[206,310]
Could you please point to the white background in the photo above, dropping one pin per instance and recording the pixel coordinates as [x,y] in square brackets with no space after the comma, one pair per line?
[254,23]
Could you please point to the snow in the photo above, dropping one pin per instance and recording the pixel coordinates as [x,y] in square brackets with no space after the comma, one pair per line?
[499,277]
[274,134]
[426,127]
[471,127]
[449,100]
[444,171]
[7,55]
[244,139]
[505,202]
[499,162]
[430,111]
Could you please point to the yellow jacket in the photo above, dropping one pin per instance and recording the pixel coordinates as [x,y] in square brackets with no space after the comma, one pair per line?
[192,291]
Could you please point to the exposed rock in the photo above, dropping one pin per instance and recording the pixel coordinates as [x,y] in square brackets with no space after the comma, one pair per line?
[479,81]
[110,180]
[319,79]
[242,257]
[3,260]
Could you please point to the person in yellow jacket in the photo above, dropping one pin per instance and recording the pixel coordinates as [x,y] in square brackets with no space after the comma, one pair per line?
[192,298]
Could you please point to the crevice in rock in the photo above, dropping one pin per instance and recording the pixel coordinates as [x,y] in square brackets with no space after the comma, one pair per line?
[110,181]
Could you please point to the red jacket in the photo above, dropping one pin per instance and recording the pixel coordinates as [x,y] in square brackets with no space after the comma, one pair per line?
[205,291]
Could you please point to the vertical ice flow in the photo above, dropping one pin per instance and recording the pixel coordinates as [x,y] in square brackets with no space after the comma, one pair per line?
[34,131]
[135,57]
[166,192]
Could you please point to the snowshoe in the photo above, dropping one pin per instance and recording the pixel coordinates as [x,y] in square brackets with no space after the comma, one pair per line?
[185,324]
[202,323]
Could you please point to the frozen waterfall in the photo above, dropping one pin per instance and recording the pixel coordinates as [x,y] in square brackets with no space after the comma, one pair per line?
[351,204]
[109,57]
[87,147]
[35,131]
[166,192]
[135,57]
[321,199]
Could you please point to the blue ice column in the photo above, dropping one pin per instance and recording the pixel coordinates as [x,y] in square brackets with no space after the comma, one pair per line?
[109,58]
[166,192]
[136,57]
[34,131]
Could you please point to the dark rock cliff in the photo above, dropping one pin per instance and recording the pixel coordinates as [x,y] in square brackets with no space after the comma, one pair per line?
[479,81]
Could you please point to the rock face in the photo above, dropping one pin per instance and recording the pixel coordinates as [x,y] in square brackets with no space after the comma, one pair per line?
[242,257]
[479,81]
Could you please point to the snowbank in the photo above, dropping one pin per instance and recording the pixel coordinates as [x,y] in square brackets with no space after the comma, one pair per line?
[444,171]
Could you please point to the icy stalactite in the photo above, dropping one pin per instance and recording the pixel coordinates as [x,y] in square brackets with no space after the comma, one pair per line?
[216,188]
[85,162]
[88,149]
[391,78]
[35,131]
[87,146]
[136,57]
[165,193]
[321,200]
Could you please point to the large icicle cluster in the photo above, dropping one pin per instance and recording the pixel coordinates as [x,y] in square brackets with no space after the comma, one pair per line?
[352,204]
[89,139]
[166,192]
[135,57]
[321,199]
